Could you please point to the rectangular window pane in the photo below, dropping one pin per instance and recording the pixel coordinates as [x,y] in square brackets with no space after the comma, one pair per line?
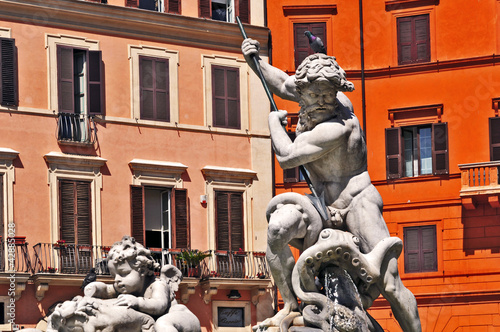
[408,152]
[147,111]
[425,151]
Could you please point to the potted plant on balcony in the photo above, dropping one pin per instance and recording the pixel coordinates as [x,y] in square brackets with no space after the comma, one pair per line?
[189,261]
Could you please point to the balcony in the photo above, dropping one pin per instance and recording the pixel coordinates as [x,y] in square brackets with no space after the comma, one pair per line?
[480,182]
[75,129]
[15,259]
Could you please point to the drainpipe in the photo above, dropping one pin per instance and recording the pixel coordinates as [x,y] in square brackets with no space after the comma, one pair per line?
[362,51]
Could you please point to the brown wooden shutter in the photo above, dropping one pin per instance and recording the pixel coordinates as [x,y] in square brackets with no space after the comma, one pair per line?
[205,8]
[393,148]
[132,3]
[411,249]
[413,39]
[301,42]
[8,72]
[154,87]
[226,97]
[75,216]
[494,139]
[222,220]
[236,220]
[244,10]
[174,6]
[95,82]
[65,77]
[83,222]
[180,216]
[429,248]
[229,220]
[440,148]
[422,39]
[137,214]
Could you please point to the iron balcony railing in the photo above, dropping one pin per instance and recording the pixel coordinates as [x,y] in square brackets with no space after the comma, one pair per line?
[76,128]
[69,258]
[14,255]
[218,264]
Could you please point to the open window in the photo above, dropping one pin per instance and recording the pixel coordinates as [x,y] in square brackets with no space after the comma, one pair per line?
[225,10]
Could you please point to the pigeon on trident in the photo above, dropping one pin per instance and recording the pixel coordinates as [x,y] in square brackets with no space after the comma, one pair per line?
[315,42]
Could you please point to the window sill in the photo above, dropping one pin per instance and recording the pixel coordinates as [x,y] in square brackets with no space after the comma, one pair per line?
[422,178]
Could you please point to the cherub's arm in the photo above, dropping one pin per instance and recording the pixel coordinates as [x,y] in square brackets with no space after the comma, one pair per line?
[100,290]
[156,304]
[309,145]
[279,82]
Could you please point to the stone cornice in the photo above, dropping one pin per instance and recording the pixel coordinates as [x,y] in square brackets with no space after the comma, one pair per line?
[131,23]
[403,4]
[78,162]
[215,173]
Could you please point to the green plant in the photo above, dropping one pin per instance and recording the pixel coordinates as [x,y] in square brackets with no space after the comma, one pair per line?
[192,258]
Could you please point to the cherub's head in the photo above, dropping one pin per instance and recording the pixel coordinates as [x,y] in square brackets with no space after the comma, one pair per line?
[131,265]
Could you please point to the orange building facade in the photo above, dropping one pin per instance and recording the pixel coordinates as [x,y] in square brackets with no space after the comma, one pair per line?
[133,118]
[427,92]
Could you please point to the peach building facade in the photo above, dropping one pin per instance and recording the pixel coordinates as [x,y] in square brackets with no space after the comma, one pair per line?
[425,73]
[133,118]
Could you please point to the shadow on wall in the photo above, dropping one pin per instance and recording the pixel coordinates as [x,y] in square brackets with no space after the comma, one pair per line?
[481,229]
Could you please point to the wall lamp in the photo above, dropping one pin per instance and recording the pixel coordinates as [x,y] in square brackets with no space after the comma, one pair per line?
[233,294]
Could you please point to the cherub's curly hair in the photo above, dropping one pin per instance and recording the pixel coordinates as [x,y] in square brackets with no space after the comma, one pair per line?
[138,256]
[321,67]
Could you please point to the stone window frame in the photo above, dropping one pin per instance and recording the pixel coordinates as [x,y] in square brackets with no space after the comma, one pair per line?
[75,167]
[218,60]
[135,51]
[51,43]
[7,172]
[229,179]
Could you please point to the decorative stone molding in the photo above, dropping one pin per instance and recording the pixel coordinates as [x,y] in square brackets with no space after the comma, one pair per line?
[403,4]
[227,174]
[188,288]
[310,10]
[58,160]
[256,293]
[153,168]
[41,288]
[257,287]
[416,115]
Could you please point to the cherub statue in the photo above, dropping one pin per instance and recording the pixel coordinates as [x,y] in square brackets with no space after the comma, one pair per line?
[137,297]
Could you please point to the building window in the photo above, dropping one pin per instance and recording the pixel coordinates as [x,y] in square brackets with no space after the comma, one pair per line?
[160,217]
[229,220]
[166,6]
[231,316]
[75,216]
[226,97]
[413,39]
[301,42]
[79,76]
[154,85]
[494,139]
[417,150]
[292,175]
[420,249]
[225,10]
[8,72]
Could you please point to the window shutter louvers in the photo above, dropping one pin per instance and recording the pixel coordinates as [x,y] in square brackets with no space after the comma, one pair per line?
[226,97]
[420,249]
[8,72]
[65,79]
[67,211]
[411,245]
[440,148]
[393,148]
[75,218]
[84,226]
[413,39]
[154,87]
[422,38]
[137,213]
[244,11]
[404,40]
[132,3]
[205,9]
[181,228]
[174,6]
[95,82]
[236,220]
[429,249]
[222,220]
[302,48]
[494,139]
